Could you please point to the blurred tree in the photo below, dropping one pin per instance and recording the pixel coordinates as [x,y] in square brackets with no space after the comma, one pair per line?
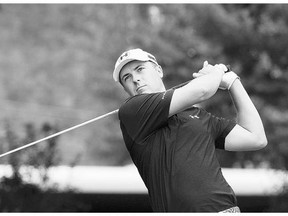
[16,194]
[56,62]
[248,37]
[41,156]
[67,52]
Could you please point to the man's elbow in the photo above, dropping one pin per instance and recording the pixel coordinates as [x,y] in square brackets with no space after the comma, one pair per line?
[261,143]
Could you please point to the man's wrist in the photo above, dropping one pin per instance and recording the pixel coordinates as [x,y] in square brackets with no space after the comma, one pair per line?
[228,80]
[233,77]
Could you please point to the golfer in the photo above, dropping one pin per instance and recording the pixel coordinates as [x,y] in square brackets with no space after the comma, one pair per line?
[172,142]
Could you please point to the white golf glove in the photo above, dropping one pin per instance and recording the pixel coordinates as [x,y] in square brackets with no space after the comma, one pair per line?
[227,80]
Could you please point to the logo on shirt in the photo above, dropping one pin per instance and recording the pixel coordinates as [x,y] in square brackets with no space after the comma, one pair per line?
[194,116]
[163,96]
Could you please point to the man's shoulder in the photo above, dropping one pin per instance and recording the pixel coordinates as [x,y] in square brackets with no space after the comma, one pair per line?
[131,104]
[137,100]
[132,100]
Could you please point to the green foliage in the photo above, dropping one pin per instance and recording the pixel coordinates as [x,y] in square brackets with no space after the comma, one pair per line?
[16,193]
[250,38]
[40,157]
[19,196]
[56,63]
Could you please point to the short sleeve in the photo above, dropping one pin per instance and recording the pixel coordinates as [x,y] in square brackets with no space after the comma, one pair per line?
[143,114]
[221,127]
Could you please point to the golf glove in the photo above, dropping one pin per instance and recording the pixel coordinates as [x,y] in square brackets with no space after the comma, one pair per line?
[227,80]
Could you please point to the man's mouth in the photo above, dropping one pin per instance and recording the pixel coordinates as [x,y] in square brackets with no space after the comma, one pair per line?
[140,89]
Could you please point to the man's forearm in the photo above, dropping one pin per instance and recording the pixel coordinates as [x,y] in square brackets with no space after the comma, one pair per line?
[196,91]
[208,83]
[247,114]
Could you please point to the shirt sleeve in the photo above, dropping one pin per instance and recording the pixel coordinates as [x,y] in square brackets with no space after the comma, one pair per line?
[221,127]
[143,114]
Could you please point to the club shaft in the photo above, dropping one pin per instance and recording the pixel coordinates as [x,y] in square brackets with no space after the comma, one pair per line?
[80,125]
[60,132]
[72,128]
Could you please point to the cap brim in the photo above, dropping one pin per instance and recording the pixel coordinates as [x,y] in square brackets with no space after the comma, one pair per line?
[118,69]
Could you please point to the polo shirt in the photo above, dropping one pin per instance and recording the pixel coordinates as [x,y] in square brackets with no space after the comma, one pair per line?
[175,156]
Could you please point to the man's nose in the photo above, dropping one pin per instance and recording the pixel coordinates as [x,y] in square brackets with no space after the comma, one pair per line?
[136,77]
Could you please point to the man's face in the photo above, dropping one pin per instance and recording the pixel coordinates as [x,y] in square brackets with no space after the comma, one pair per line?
[138,77]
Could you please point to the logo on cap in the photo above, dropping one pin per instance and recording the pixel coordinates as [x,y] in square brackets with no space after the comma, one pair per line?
[123,55]
[134,54]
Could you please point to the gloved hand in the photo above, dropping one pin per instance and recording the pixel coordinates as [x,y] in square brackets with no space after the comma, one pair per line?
[227,80]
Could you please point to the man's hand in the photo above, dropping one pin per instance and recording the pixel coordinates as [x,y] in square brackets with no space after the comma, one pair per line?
[227,80]
[207,68]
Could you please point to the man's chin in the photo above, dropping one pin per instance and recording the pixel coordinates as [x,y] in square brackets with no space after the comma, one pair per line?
[144,91]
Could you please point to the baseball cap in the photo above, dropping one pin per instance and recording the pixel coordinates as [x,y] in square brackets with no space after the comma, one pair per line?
[131,55]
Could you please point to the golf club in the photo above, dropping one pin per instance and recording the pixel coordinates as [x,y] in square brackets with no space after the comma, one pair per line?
[79,125]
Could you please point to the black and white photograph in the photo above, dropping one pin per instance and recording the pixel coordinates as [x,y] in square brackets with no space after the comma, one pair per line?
[143,107]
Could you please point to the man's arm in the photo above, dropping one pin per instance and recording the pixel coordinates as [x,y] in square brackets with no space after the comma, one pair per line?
[249,133]
[198,90]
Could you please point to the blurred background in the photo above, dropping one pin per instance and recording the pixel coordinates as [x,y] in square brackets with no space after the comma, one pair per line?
[56,63]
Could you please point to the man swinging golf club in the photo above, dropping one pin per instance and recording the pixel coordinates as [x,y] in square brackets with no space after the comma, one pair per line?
[172,142]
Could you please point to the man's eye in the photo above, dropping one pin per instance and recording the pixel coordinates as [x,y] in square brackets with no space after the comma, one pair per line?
[140,69]
[126,78]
